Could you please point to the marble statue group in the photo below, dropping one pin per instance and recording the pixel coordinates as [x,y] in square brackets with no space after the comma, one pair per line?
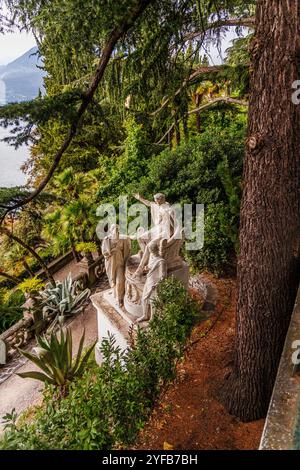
[133,279]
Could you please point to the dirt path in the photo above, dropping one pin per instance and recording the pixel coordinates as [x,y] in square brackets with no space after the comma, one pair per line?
[189,415]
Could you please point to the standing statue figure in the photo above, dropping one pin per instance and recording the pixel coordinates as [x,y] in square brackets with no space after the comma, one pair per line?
[157,273]
[162,215]
[116,250]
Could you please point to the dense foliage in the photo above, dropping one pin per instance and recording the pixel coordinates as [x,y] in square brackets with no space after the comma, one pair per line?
[206,170]
[161,119]
[109,405]
[11,310]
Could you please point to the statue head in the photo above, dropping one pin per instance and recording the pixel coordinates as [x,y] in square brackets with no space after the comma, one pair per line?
[159,198]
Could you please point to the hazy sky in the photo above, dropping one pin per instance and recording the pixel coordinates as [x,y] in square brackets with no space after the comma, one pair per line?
[13,45]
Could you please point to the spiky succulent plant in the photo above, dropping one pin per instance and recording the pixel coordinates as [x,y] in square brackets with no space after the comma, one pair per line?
[53,356]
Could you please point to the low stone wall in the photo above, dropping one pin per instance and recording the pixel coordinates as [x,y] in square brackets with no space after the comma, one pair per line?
[22,332]
[284,410]
[15,337]
[57,264]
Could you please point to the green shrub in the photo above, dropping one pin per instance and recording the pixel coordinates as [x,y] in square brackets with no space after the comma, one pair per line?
[218,252]
[206,170]
[190,173]
[32,285]
[123,172]
[11,310]
[109,405]
[86,246]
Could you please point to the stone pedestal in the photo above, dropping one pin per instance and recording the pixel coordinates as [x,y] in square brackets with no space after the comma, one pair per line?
[111,320]
[117,321]
[134,286]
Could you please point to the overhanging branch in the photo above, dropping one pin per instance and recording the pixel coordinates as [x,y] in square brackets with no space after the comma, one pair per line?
[237,22]
[222,99]
[116,34]
[199,71]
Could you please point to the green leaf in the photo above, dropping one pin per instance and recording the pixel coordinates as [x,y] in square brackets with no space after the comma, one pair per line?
[79,352]
[85,360]
[37,376]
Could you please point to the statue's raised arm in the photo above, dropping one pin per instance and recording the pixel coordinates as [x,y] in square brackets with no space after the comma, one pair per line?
[142,200]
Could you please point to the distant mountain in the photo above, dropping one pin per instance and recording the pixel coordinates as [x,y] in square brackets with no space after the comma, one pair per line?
[22,78]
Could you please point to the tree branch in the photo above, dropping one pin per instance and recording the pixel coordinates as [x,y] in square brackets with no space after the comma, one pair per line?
[242,22]
[199,71]
[206,106]
[116,34]
[219,100]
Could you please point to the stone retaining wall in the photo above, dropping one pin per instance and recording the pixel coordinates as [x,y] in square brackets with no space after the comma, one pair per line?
[284,409]
[22,332]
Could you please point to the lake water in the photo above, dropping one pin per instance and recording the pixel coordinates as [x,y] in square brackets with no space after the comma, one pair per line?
[10,162]
[10,159]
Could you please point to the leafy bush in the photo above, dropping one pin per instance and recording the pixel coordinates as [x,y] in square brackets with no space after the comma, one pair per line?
[124,172]
[11,310]
[206,170]
[190,173]
[110,404]
[86,246]
[218,252]
[32,285]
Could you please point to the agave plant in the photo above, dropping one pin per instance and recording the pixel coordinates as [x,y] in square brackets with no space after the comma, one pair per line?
[63,300]
[53,356]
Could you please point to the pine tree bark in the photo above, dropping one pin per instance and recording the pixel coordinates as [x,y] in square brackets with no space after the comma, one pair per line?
[197,115]
[268,266]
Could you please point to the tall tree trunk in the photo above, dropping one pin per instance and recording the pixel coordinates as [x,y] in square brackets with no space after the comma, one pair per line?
[177,131]
[27,268]
[197,115]
[268,267]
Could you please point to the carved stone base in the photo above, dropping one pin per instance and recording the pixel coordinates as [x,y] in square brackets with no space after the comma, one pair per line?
[111,320]
[134,286]
[181,273]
